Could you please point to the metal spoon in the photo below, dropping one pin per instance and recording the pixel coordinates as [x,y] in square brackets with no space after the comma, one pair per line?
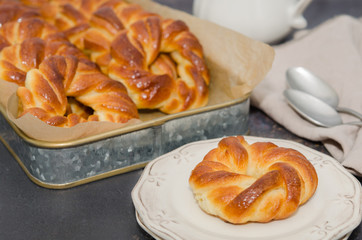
[303,80]
[314,110]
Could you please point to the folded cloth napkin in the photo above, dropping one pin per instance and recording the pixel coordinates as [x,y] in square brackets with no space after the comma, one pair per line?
[332,51]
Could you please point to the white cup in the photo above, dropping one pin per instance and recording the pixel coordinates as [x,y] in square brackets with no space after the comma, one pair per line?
[266,20]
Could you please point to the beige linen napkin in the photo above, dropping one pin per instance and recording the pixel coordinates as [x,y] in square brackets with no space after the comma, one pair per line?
[333,51]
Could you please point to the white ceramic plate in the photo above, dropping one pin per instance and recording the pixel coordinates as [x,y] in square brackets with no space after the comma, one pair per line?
[345,237]
[167,209]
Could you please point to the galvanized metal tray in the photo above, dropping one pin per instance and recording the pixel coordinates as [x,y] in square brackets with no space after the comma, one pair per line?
[66,164]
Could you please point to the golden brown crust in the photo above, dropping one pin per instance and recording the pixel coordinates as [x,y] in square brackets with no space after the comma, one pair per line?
[49,70]
[126,42]
[260,182]
[13,11]
[47,88]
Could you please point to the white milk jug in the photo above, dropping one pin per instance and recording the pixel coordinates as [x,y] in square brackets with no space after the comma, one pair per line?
[266,20]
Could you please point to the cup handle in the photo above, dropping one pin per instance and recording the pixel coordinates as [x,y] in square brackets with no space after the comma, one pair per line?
[298,21]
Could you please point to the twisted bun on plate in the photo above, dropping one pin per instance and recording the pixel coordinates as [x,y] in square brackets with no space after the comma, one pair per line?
[158,60]
[260,182]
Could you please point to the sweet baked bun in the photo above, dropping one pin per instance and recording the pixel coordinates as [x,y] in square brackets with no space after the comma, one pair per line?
[50,71]
[11,10]
[46,91]
[160,61]
[240,182]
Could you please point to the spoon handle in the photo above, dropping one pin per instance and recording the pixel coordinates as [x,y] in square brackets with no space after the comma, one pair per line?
[349,111]
[354,123]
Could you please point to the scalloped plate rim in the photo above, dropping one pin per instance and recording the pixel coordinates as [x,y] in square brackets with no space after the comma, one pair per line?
[167,234]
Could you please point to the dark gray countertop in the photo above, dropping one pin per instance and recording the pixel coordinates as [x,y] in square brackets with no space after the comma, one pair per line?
[104,209]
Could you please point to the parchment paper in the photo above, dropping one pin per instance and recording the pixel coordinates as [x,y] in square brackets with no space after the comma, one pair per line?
[236,64]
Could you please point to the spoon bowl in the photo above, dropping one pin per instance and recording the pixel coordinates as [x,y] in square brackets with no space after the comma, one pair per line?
[303,80]
[314,110]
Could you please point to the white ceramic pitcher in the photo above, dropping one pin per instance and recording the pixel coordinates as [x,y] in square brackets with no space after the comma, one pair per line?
[265,20]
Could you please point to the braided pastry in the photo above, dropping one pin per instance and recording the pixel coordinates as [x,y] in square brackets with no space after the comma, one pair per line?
[158,60]
[15,11]
[260,182]
[47,88]
[55,78]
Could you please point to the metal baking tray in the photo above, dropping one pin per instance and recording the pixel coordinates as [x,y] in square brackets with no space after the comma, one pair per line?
[67,164]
